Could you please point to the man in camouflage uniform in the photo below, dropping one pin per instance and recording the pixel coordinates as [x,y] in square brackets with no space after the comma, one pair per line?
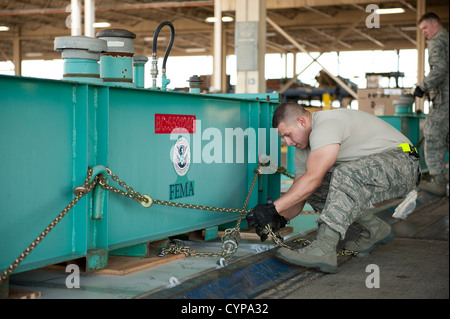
[437,84]
[345,161]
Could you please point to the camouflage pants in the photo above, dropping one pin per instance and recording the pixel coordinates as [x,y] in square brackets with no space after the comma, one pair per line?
[435,132]
[353,187]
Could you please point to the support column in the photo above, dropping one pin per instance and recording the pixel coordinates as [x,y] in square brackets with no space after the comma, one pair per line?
[89,18]
[219,56]
[420,40]
[250,46]
[75,17]
[224,81]
[17,54]
[286,65]
[294,64]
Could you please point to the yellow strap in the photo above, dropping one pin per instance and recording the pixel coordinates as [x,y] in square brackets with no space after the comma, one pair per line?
[406,147]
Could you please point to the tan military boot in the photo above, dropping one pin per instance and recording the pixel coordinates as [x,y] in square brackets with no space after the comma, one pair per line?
[374,232]
[321,253]
[438,186]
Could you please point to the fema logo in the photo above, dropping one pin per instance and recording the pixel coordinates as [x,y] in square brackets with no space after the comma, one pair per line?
[181,156]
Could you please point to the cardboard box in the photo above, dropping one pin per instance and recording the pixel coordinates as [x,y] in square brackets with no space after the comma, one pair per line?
[378,101]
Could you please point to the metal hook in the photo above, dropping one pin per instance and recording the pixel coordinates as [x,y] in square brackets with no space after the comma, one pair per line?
[222,262]
[173,281]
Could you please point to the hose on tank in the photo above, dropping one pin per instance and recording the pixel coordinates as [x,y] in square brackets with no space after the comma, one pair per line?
[169,47]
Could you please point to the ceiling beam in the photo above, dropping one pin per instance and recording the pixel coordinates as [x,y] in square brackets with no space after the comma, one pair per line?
[230,5]
[348,46]
[156,5]
[5,56]
[302,49]
[319,12]
[347,30]
[403,34]
[368,37]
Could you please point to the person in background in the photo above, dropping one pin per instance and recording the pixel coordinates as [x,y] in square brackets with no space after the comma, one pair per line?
[437,85]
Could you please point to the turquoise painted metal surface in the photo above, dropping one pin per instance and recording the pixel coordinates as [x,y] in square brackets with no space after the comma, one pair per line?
[43,140]
[52,131]
[117,70]
[411,125]
[84,68]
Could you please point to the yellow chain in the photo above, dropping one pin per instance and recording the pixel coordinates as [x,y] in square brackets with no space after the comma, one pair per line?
[80,192]
[176,248]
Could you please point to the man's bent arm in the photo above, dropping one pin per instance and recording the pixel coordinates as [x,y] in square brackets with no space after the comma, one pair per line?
[294,210]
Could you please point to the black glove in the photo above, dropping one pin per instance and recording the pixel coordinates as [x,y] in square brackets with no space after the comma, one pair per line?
[261,215]
[278,222]
[418,92]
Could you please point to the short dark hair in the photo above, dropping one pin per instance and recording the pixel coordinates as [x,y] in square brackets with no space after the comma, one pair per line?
[287,111]
[430,16]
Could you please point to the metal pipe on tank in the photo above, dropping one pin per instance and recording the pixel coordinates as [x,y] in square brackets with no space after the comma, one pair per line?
[139,70]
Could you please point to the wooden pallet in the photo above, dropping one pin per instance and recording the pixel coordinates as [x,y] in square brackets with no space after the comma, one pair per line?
[251,234]
[123,265]
[23,294]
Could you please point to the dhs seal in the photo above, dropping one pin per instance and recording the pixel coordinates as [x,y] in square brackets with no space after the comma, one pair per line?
[181,156]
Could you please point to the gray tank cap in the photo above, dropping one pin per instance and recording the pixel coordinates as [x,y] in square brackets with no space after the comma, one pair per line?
[140,59]
[80,42]
[195,81]
[116,33]
[403,101]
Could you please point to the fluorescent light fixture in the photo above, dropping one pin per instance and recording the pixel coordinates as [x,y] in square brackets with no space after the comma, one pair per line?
[34,54]
[150,39]
[4,28]
[227,19]
[195,50]
[102,25]
[224,19]
[390,11]
[413,28]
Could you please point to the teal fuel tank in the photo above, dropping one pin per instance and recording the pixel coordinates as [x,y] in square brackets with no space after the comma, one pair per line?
[179,147]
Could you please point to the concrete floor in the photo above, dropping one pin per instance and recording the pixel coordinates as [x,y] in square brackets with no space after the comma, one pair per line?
[415,265]
[408,269]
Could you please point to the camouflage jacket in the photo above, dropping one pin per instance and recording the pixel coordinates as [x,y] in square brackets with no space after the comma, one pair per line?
[437,81]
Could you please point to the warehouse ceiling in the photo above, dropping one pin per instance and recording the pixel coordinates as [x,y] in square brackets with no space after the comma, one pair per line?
[319,26]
